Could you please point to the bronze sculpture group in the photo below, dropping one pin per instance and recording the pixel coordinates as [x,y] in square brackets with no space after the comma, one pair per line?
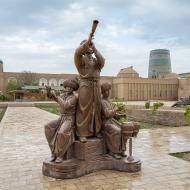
[86,137]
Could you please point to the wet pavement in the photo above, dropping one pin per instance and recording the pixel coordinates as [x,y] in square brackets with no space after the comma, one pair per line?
[23,148]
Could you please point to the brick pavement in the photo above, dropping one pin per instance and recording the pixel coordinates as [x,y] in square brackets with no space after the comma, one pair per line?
[23,148]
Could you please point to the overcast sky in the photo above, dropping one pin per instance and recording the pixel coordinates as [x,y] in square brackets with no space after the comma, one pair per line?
[41,36]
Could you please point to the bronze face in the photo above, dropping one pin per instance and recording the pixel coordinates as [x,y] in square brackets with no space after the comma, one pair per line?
[106,94]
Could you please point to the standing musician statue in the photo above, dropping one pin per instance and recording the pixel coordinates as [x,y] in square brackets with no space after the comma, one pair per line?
[88,116]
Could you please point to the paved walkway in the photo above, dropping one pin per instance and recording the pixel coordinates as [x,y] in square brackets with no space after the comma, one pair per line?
[23,148]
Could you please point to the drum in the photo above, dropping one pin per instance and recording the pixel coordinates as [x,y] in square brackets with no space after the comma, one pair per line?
[127,129]
[136,129]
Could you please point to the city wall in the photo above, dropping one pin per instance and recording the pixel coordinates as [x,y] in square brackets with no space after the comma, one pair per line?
[127,86]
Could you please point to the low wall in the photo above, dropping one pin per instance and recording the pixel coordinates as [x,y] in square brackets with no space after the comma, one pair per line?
[130,107]
[34,97]
[160,117]
[3,104]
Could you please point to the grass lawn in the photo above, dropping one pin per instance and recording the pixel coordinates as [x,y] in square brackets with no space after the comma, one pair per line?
[2,112]
[52,108]
[149,125]
[182,155]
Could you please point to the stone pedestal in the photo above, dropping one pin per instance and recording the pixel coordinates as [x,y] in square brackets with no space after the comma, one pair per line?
[88,157]
[86,151]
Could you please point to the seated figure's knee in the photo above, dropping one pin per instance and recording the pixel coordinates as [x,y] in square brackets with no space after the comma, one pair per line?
[59,133]
[46,127]
[51,125]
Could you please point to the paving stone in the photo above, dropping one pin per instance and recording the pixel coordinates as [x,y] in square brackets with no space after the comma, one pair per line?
[24,147]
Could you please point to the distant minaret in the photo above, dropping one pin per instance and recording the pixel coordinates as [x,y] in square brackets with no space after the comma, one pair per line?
[159,63]
[1,66]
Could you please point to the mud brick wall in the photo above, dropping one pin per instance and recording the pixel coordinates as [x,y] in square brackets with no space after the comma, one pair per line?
[160,117]
[34,97]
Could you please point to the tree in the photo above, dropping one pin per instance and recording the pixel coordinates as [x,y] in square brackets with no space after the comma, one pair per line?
[12,85]
[187,114]
[27,78]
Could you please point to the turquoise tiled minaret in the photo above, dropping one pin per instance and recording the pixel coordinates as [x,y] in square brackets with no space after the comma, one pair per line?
[159,63]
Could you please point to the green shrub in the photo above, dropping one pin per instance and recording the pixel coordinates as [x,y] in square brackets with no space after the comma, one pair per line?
[157,105]
[12,85]
[122,120]
[4,97]
[187,114]
[122,108]
[116,99]
[147,105]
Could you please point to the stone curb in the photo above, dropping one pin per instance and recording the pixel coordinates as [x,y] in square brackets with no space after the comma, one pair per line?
[21,104]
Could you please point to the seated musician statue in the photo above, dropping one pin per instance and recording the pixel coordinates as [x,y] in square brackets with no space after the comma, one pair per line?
[59,133]
[115,140]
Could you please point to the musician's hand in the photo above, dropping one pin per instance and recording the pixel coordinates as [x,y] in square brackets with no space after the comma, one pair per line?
[93,46]
[53,93]
[48,88]
[116,109]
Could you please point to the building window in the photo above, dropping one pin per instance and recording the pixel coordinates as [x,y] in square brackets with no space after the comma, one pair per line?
[53,82]
[43,82]
[60,82]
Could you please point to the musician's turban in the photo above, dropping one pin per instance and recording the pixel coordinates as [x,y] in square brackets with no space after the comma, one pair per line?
[71,83]
[105,87]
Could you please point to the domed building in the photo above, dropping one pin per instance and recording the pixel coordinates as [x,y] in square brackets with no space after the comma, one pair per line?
[131,87]
[128,72]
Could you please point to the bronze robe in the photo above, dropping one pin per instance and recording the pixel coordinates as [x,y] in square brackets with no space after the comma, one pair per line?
[59,133]
[88,117]
[111,130]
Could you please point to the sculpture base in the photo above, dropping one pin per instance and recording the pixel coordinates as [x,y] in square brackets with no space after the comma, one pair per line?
[75,168]
[88,157]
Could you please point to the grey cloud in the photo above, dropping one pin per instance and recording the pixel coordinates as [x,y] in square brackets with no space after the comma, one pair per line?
[48,31]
